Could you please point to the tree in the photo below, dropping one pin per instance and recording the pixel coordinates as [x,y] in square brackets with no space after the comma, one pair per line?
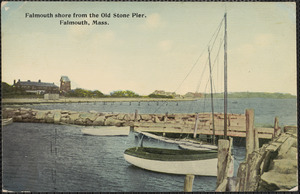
[126,93]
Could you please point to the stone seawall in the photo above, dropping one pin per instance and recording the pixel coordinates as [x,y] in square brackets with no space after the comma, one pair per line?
[274,167]
[91,118]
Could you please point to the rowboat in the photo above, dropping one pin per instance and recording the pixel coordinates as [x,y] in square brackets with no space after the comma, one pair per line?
[106,131]
[7,121]
[203,162]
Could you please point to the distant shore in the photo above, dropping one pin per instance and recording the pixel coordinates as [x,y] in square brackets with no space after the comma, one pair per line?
[7,101]
[28,100]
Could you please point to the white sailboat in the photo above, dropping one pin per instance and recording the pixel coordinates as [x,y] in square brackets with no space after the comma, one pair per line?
[200,161]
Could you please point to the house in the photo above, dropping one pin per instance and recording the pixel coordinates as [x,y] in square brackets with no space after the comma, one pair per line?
[162,92]
[36,87]
[65,84]
[193,95]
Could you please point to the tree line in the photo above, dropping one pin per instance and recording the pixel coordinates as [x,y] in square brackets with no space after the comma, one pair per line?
[9,91]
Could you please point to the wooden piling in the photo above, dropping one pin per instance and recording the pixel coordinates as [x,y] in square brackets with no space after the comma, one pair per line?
[188,183]
[224,162]
[250,141]
[135,115]
[256,140]
[276,127]
[196,125]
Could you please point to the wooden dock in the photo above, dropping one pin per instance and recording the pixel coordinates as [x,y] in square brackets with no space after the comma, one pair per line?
[185,123]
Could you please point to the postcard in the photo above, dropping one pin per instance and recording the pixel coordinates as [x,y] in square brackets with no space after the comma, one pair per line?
[157,96]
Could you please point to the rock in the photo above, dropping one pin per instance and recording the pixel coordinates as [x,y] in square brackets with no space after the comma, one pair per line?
[272,181]
[64,115]
[9,109]
[73,117]
[89,122]
[93,112]
[64,120]
[121,116]
[79,121]
[273,146]
[17,118]
[146,117]
[64,112]
[129,117]
[90,116]
[292,154]
[156,119]
[25,116]
[99,121]
[284,166]
[41,115]
[113,122]
[284,148]
[49,118]
[57,117]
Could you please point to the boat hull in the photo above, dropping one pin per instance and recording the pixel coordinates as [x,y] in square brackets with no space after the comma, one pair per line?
[7,121]
[106,131]
[206,166]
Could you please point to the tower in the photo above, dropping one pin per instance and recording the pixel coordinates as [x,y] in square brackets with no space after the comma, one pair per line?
[65,84]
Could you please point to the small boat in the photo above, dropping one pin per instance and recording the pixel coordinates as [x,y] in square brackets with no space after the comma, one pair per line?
[203,162]
[7,121]
[106,131]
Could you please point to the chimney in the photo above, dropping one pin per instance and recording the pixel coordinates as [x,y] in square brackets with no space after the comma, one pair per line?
[28,80]
[39,81]
[18,80]
[14,81]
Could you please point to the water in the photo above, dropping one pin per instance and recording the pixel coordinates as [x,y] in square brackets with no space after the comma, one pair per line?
[47,157]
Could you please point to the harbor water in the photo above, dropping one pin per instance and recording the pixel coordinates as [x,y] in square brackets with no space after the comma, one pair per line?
[40,157]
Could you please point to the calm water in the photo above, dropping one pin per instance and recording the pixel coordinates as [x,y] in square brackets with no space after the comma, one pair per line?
[46,157]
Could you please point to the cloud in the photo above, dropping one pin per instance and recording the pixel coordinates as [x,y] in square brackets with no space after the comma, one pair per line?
[165,45]
[153,21]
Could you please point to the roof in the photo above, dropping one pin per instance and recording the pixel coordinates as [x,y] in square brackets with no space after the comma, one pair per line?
[42,84]
[65,78]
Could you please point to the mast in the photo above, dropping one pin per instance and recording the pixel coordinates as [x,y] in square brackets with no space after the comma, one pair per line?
[225,76]
[212,97]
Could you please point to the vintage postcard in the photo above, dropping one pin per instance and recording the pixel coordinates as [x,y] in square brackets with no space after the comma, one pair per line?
[148,96]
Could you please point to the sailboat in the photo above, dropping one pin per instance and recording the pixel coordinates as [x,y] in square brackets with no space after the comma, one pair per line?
[185,161]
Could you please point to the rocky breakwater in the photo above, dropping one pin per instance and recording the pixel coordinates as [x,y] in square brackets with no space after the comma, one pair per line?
[91,118]
[274,167]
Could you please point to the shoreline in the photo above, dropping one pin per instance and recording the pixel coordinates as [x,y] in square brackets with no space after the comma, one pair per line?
[12,101]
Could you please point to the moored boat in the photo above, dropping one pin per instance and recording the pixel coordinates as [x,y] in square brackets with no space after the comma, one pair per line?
[106,131]
[7,121]
[203,162]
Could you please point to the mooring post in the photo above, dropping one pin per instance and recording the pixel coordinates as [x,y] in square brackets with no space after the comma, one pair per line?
[250,142]
[188,183]
[256,140]
[224,162]
[276,127]
[135,115]
[196,125]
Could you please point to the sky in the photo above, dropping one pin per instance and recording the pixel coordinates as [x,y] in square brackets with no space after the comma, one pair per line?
[165,50]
